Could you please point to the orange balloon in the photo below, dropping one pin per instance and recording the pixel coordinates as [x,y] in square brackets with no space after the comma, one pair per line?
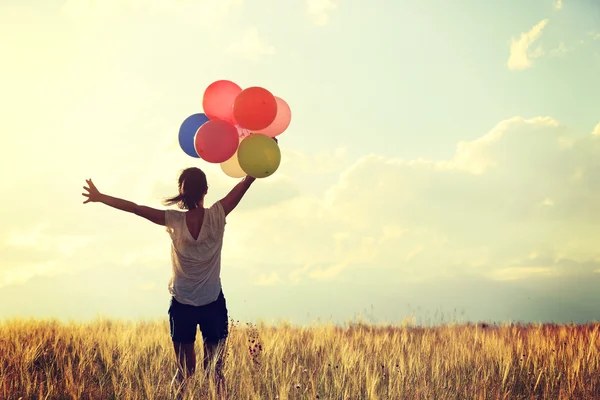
[216,141]
[255,108]
[218,99]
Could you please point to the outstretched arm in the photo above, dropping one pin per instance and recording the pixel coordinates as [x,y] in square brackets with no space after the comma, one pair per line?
[151,214]
[232,199]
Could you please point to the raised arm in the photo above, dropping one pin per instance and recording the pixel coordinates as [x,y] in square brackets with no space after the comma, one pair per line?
[232,199]
[151,214]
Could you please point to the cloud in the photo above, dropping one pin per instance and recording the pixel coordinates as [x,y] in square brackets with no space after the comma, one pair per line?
[270,280]
[37,251]
[320,10]
[596,130]
[558,4]
[515,191]
[38,238]
[26,271]
[520,55]
[525,187]
[251,46]
[517,273]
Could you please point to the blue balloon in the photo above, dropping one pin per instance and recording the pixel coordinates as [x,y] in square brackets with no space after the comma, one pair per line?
[187,133]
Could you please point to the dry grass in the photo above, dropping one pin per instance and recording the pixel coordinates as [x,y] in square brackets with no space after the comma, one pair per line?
[134,360]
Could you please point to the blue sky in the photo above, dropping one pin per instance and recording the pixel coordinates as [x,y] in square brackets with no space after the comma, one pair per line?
[441,154]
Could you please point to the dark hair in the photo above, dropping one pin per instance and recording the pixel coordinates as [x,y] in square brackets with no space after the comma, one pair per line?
[192,188]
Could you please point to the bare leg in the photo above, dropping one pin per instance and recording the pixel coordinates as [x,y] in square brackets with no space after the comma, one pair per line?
[214,352]
[186,364]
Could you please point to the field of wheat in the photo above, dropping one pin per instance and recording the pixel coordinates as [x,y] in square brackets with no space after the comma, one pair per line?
[108,359]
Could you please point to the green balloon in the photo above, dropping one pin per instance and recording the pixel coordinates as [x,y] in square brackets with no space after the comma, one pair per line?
[259,155]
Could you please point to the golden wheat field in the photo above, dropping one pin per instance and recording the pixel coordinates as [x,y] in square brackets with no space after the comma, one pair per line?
[109,359]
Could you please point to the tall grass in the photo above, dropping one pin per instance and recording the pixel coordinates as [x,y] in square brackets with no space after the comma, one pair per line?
[108,359]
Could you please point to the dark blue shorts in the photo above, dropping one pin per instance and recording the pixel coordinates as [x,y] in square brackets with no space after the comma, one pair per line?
[212,318]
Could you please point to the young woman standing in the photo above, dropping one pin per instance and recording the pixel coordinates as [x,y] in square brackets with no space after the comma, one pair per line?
[196,236]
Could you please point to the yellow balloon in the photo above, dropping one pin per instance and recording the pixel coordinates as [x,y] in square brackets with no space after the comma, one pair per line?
[259,155]
[232,167]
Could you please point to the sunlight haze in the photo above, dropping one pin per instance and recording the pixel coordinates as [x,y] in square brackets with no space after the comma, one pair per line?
[443,157]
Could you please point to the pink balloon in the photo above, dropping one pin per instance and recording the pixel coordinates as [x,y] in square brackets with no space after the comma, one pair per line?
[218,99]
[216,141]
[282,119]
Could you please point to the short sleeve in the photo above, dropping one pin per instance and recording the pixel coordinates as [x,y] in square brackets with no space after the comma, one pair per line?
[218,214]
[172,218]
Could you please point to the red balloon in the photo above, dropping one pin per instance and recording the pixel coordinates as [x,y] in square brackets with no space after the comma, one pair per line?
[216,141]
[218,100]
[254,108]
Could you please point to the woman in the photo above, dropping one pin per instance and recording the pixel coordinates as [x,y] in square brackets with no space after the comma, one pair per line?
[195,284]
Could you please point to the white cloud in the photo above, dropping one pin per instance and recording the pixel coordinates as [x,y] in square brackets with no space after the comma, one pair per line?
[516,191]
[320,10]
[27,271]
[520,55]
[474,156]
[32,252]
[268,280]
[596,130]
[558,4]
[516,273]
[38,238]
[251,46]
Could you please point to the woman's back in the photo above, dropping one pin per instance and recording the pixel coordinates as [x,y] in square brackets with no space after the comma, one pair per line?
[193,221]
[197,240]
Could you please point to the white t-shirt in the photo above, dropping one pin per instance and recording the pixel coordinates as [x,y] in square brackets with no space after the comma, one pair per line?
[196,263]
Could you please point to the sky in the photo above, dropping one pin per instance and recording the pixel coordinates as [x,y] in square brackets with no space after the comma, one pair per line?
[442,163]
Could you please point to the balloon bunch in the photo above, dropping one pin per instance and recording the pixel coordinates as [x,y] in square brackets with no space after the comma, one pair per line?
[237,129]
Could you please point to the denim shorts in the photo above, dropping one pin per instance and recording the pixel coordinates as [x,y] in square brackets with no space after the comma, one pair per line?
[212,318]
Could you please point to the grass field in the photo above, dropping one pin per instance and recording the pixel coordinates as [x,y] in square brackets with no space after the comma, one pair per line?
[108,359]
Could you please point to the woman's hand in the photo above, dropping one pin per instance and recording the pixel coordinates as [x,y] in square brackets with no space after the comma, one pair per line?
[93,194]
